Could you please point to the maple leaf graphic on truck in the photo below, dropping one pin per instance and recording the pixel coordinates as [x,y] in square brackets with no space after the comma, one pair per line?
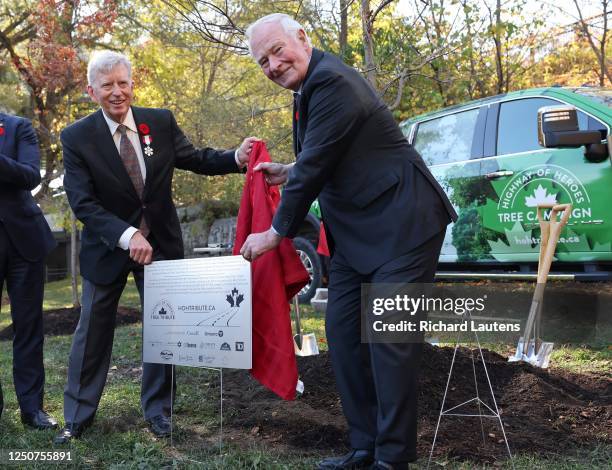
[540,196]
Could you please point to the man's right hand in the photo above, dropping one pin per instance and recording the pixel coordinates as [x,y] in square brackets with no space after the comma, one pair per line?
[275,173]
[140,249]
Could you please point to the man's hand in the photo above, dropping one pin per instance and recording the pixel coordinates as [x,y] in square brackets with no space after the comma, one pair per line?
[257,244]
[244,151]
[140,249]
[275,173]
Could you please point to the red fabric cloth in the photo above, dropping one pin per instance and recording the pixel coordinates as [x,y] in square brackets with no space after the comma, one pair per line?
[322,247]
[278,275]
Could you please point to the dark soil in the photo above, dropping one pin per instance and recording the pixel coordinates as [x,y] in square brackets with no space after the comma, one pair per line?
[543,411]
[63,321]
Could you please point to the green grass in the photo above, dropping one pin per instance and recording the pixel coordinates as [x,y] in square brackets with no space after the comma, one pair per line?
[119,438]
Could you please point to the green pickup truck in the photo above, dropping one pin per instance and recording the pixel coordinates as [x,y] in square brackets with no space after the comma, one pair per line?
[490,159]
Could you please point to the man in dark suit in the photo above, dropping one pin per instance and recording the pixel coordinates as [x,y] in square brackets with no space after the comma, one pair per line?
[25,240]
[119,163]
[385,217]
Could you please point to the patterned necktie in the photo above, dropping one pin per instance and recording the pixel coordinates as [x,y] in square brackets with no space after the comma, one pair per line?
[130,161]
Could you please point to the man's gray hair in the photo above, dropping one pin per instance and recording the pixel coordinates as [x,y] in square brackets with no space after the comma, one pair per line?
[104,62]
[289,25]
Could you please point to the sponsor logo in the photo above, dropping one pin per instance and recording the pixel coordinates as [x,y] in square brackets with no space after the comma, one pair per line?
[207,346]
[239,346]
[191,345]
[225,347]
[166,355]
[206,359]
[162,311]
[217,333]
[185,358]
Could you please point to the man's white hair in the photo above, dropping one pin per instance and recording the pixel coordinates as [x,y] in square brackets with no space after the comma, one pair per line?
[289,25]
[104,62]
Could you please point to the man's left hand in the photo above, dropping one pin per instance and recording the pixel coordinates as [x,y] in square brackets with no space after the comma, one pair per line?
[257,244]
[244,151]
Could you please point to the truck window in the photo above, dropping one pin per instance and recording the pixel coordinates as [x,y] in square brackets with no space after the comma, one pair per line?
[517,129]
[448,138]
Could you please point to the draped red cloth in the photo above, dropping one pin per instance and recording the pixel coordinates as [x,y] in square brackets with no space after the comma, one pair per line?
[322,247]
[277,276]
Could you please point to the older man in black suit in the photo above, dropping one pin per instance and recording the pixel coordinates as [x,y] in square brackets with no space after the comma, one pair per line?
[119,163]
[25,240]
[385,217]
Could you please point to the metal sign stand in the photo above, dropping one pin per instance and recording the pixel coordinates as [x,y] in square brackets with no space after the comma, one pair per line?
[220,370]
[456,410]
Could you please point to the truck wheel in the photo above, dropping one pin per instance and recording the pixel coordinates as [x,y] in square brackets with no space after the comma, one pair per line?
[312,263]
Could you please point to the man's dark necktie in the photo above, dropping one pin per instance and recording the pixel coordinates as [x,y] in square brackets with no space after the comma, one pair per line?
[130,161]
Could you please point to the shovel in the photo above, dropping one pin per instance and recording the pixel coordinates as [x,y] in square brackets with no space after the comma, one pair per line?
[530,347]
[304,345]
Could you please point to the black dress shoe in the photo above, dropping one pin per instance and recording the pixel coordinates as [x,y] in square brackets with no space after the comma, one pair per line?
[69,432]
[38,419]
[159,425]
[355,459]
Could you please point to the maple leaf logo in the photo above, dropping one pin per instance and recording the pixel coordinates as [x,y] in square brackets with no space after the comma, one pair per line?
[540,196]
[234,298]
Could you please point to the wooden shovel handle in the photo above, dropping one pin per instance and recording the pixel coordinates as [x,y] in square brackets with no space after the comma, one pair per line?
[554,227]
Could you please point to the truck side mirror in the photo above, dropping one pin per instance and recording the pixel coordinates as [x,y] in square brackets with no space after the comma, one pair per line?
[558,128]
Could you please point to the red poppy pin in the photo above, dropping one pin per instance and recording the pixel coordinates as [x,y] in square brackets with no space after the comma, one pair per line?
[143,128]
[1,128]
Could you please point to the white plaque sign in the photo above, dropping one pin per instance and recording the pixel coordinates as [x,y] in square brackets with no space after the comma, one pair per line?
[197,312]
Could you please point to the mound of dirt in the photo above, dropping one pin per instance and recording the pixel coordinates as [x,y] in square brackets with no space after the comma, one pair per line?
[543,411]
[63,321]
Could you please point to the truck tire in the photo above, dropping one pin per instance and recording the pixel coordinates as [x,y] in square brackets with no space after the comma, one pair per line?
[312,263]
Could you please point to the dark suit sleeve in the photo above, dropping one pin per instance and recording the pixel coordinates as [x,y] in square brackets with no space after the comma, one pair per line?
[205,161]
[335,114]
[78,184]
[24,172]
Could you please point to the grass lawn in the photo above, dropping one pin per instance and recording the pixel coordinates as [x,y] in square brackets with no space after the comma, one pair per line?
[119,438]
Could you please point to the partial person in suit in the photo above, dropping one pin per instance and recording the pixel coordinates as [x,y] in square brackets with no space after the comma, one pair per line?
[119,163]
[25,240]
[385,218]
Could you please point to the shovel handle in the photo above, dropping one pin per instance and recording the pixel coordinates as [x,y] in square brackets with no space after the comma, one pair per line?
[554,227]
[298,323]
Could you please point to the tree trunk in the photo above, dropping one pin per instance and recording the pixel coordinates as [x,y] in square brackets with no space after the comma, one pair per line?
[343,37]
[368,42]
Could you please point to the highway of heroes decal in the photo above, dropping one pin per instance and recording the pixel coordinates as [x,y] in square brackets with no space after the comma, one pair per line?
[543,184]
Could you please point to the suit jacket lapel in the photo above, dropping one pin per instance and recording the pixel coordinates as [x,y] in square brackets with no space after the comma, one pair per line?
[4,136]
[296,109]
[138,119]
[300,118]
[110,155]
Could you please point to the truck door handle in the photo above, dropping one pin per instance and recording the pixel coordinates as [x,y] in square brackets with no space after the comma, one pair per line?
[498,174]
